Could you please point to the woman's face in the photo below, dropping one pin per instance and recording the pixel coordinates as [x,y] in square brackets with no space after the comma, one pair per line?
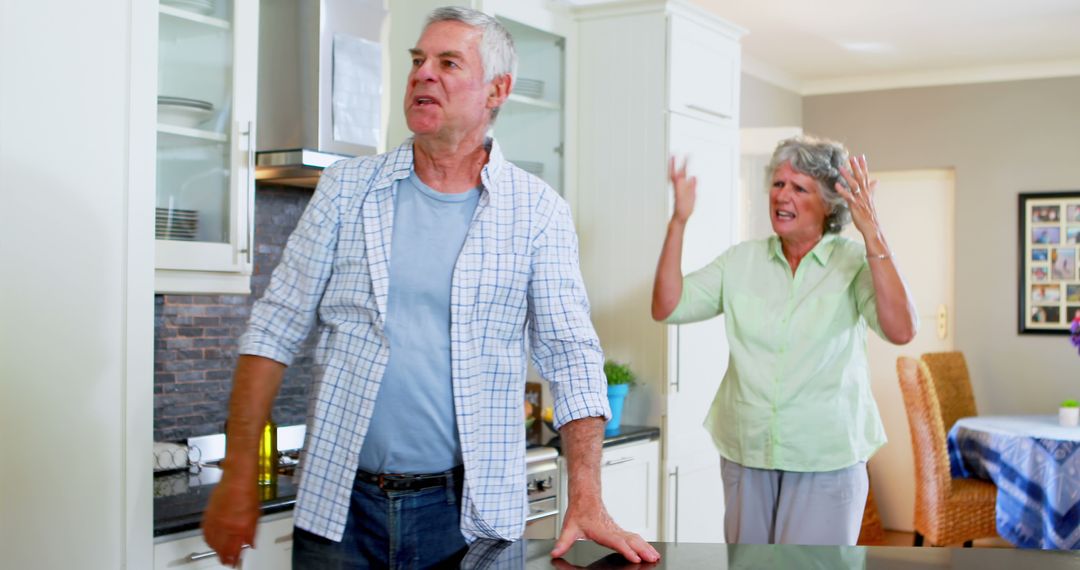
[796,209]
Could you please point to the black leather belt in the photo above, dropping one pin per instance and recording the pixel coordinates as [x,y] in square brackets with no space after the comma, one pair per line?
[410,482]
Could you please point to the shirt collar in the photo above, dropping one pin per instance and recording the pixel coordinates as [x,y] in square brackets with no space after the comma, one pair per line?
[821,252]
[399,163]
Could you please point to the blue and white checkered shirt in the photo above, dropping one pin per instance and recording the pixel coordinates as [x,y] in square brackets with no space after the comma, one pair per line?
[516,284]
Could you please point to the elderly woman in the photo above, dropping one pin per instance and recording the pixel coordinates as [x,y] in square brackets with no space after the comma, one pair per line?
[794,419]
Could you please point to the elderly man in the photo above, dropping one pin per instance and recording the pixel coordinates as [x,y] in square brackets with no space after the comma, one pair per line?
[428,269]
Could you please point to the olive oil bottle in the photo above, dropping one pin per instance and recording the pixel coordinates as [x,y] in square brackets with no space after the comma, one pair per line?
[268,454]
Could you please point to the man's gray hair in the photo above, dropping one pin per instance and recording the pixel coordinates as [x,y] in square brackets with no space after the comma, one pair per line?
[820,159]
[497,51]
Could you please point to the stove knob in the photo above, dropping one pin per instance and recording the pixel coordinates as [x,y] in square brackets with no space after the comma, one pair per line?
[541,485]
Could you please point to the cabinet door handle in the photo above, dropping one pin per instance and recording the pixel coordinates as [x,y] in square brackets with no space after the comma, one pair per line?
[618,461]
[678,367]
[708,111]
[249,192]
[284,539]
[675,514]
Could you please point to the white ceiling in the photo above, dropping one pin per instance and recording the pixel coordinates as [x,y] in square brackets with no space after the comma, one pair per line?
[821,46]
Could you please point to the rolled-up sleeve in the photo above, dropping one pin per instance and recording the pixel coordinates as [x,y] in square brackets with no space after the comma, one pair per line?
[565,348]
[702,294]
[283,317]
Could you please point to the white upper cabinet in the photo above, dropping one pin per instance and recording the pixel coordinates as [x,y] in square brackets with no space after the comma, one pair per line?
[704,67]
[530,124]
[207,70]
[534,126]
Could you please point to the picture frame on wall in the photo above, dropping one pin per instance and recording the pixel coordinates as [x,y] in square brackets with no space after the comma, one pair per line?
[1049,251]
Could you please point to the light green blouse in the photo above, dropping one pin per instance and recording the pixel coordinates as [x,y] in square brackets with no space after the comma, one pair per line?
[796,394]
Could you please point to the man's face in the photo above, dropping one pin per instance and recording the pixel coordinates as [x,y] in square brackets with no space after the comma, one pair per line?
[446,93]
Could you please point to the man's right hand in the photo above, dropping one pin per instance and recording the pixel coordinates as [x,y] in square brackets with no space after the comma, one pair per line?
[229,521]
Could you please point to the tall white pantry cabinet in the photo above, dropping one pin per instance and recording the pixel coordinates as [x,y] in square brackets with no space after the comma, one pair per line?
[657,79]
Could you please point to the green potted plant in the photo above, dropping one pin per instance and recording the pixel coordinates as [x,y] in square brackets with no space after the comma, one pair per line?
[619,379]
[1069,413]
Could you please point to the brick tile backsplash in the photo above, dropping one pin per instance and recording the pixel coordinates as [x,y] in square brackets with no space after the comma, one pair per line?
[195,337]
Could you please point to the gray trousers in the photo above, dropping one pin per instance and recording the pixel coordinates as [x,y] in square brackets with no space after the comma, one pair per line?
[765,506]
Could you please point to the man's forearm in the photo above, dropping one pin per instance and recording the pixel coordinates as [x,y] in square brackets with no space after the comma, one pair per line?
[583,442]
[255,385]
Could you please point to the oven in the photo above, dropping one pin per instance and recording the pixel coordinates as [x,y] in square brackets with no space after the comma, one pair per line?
[542,485]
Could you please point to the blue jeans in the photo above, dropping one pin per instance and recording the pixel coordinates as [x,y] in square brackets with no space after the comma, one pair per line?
[390,529]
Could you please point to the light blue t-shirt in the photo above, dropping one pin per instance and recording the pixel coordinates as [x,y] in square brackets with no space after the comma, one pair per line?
[413,428]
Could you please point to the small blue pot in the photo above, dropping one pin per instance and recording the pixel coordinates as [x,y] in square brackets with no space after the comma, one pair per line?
[616,394]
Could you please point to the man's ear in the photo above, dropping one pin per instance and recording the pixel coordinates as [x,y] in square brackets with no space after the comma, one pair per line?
[499,90]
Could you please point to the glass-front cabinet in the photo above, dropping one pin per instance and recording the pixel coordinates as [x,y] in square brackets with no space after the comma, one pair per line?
[207,65]
[530,123]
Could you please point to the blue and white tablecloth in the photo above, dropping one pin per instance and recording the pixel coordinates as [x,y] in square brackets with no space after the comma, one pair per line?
[1036,466]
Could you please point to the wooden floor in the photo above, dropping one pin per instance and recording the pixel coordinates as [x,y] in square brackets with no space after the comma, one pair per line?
[900,538]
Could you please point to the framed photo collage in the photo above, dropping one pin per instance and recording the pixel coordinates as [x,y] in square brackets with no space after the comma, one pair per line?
[1049,248]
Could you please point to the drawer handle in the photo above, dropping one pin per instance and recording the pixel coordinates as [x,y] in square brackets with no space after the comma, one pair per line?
[618,461]
[708,111]
[284,539]
[540,515]
[196,556]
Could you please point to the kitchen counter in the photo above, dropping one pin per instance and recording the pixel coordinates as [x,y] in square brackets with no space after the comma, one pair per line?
[626,434]
[534,554]
[181,498]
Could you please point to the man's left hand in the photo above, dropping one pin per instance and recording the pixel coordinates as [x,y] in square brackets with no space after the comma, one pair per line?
[592,522]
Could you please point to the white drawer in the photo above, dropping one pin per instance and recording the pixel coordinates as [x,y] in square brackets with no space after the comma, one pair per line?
[273,539]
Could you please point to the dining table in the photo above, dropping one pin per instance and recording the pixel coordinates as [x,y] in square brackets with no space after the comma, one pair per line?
[1035,464]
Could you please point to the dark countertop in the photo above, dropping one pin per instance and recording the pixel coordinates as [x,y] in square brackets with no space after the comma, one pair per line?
[626,434]
[534,554]
[181,498]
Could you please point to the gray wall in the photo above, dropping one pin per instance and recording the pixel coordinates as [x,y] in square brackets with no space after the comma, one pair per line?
[763,104]
[1002,139]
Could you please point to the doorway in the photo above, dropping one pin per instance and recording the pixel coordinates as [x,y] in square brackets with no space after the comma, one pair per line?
[916,212]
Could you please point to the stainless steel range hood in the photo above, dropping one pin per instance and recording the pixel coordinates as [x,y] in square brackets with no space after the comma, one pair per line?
[311,113]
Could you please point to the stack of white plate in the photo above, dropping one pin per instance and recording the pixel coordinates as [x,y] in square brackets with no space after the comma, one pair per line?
[529,87]
[176,224]
[200,6]
[183,112]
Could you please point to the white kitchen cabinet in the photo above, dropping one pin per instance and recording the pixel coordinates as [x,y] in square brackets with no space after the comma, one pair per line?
[630,478]
[535,127]
[630,484]
[657,79]
[530,124]
[189,551]
[704,72]
[207,61]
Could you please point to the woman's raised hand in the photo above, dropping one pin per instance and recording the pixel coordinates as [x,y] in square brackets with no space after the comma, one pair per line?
[859,196]
[685,188]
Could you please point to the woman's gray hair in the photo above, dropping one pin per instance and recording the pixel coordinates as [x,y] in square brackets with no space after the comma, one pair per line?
[497,51]
[820,159]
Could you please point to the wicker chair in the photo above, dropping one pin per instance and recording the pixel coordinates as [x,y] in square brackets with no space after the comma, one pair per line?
[949,373]
[947,510]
